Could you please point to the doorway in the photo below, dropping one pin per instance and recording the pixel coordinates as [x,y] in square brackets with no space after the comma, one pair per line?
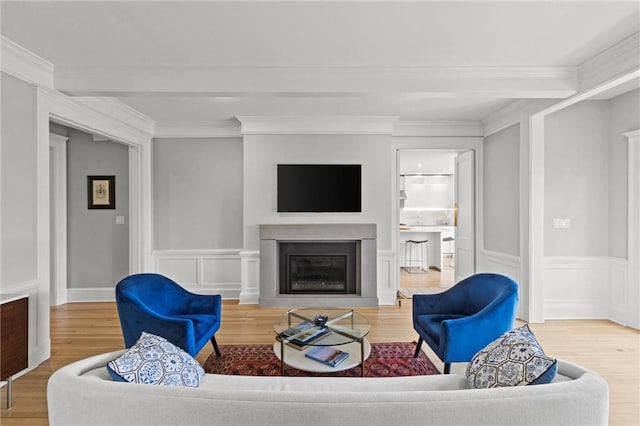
[429,206]
[90,249]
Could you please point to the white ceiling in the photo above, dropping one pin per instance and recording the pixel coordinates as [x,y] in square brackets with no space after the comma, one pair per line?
[209,61]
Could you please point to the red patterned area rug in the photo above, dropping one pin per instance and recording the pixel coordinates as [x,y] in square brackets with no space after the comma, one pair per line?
[386,360]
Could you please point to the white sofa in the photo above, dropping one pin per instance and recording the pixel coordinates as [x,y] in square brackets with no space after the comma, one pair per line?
[82,393]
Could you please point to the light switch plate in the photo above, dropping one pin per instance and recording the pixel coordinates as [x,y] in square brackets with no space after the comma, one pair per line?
[561,223]
[119,220]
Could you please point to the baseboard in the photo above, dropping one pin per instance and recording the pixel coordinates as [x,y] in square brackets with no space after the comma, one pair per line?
[105,294]
[562,309]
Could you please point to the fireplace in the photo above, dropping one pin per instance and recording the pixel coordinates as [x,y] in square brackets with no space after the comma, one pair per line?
[318,267]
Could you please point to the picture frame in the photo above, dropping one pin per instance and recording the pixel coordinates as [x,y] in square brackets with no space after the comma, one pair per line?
[101,192]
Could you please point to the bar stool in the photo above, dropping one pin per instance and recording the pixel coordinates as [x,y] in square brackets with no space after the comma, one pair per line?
[449,252]
[408,259]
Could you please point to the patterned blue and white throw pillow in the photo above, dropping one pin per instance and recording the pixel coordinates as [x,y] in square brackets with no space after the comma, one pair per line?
[514,359]
[155,361]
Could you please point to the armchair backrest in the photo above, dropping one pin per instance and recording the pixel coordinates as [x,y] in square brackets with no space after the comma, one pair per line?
[480,291]
[154,291]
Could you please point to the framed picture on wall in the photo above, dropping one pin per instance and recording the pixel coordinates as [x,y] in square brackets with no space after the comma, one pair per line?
[102,192]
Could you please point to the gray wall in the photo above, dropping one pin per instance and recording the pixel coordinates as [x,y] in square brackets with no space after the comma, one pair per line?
[19,194]
[197,193]
[624,116]
[19,259]
[502,191]
[576,180]
[98,249]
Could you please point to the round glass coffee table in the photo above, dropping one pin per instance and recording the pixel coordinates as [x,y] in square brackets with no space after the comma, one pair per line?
[300,330]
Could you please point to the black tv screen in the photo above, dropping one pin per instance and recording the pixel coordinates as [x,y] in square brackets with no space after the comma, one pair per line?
[319,188]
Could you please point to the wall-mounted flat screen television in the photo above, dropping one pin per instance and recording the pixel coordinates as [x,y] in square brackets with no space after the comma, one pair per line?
[319,188]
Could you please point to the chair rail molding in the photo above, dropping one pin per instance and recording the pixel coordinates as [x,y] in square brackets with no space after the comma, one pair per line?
[502,263]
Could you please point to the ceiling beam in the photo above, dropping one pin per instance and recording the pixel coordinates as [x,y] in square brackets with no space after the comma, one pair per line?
[413,82]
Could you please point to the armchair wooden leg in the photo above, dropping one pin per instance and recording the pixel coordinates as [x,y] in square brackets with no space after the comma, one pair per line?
[215,345]
[447,368]
[418,345]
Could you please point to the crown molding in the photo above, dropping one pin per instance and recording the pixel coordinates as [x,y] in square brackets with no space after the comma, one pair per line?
[513,114]
[437,128]
[118,110]
[634,135]
[67,111]
[617,60]
[345,125]
[214,129]
[26,65]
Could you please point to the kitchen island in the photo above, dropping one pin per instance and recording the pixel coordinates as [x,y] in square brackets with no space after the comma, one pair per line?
[433,256]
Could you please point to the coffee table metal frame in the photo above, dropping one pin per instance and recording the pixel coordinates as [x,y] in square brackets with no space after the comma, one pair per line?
[350,335]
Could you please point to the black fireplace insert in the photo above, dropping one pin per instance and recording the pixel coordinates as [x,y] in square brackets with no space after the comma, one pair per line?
[318,267]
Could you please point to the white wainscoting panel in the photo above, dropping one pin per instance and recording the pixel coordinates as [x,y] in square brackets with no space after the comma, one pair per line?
[250,277]
[202,271]
[183,271]
[387,286]
[620,306]
[576,287]
[505,264]
[500,263]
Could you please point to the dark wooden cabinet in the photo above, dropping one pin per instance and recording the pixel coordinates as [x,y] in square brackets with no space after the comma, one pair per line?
[14,340]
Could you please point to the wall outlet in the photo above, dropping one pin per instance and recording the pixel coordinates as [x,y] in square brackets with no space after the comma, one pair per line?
[561,223]
[119,220]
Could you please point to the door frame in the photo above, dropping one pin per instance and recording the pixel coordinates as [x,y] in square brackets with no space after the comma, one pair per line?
[59,108]
[58,202]
[459,245]
[461,143]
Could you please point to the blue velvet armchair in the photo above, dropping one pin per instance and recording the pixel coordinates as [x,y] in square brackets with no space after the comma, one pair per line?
[158,305]
[460,321]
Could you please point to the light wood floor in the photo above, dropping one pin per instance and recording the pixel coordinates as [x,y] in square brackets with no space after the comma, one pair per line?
[432,278]
[79,330]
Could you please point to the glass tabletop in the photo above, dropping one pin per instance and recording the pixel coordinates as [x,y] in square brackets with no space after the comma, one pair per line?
[321,327]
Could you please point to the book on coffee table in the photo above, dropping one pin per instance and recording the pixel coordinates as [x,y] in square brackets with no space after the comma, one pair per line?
[303,334]
[327,355]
